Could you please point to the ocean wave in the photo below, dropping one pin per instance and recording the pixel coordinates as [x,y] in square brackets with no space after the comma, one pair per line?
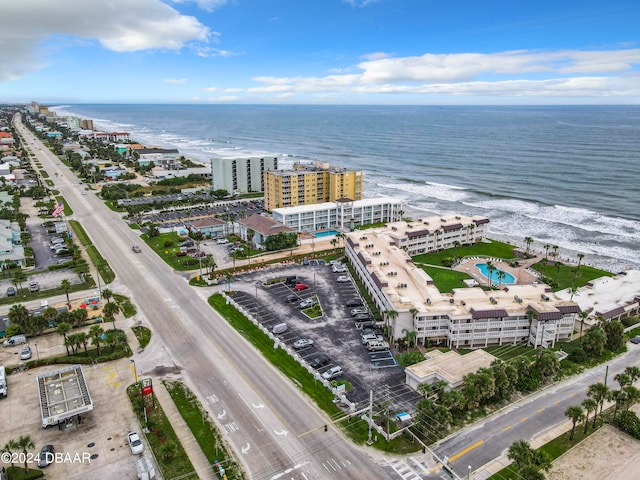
[440,191]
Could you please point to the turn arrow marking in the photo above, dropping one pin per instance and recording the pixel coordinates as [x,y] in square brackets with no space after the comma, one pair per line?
[222,415]
[246,449]
[283,432]
[260,406]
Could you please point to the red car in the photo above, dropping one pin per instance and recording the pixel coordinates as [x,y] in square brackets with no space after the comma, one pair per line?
[300,286]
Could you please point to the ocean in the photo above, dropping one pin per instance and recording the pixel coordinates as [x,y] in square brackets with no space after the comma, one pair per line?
[563,175]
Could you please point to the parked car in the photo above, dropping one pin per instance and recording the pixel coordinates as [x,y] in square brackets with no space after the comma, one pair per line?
[136,248]
[370,337]
[34,286]
[135,444]
[302,343]
[354,302]
[292,298]
[222,241]
[342,279]
[333,372]
[362,317]
[46,456]
[15,340]
[320,361]
[279,328]
[11,292]
[25,354]
[290,281]
[300,286]
[339,269]
[357,310]
[635,340]
[309,302]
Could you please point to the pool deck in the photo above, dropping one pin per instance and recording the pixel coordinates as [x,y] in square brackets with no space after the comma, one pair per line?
[523,274]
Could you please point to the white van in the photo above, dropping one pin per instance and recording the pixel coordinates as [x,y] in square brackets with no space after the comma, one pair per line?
[279,328]
[3,382]
[15,340]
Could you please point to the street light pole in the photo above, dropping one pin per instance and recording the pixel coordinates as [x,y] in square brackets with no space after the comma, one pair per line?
[135,370]
[37,353]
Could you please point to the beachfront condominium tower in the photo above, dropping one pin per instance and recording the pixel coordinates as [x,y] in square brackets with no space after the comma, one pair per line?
[307,184]
[241,175]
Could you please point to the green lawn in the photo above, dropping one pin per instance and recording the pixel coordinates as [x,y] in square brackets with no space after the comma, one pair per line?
[80,233]
[493,249]
[563,275]
[168,253]
[446,279]
[101,264]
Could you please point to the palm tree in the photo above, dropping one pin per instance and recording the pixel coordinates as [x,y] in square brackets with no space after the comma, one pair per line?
[623,379]
[633,372]
[10,447]
[50,314]
[490,269]
[583,316]
[501,276]
[107,294]
[18,315]
[589,405]
[390,315]
[520,453]
[110,310]
[83,338]
[633,395]
[62,329]
[65,285]
[599,392]
[334,242]
[456,244]
[409,336]
[25,443]
[528,241]
[19,277]
[95,332]
[546,251]
[228,276]
[79,316]
[531,316]
[576,414]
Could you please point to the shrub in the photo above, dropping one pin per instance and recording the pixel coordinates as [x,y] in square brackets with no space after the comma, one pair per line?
[629,423]
[168,243]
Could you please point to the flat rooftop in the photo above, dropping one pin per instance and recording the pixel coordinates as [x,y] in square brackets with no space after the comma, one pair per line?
[451,365]
[63,394]
[606,294]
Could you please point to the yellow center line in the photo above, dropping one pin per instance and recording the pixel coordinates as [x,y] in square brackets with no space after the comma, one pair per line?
[466,450]
[524,419]
[557,402]
[541,410]
[506,428]
[572,394]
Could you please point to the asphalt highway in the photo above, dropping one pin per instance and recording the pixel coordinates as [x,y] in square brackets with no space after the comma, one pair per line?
[261,412]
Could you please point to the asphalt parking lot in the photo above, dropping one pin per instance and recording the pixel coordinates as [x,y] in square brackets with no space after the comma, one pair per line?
[334,334]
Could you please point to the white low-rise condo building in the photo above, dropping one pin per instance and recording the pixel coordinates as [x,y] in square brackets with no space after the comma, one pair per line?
[462,318]
[342,214]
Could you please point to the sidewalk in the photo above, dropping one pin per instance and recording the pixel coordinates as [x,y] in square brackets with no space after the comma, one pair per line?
[186,438]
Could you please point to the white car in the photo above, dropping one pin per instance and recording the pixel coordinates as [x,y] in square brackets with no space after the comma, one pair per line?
[135,444]
[342,279]
[333,372]
[302,343]
[25,354]
[359,311]
[339,269]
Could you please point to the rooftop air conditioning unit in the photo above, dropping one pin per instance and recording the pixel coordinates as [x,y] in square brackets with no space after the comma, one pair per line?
[452,301]
[463,303]
[428,301]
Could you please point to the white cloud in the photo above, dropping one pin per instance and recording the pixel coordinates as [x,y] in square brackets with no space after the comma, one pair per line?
[209,89]
[567,73]
[175,81]
[207,5]
[119,25]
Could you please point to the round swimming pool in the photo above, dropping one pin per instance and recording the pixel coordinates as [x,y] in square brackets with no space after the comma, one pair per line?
[507,278]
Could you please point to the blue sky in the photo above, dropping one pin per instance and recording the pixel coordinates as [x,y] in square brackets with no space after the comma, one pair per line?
[320,51]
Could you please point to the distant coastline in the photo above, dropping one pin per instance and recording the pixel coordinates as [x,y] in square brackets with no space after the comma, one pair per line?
[557,174]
